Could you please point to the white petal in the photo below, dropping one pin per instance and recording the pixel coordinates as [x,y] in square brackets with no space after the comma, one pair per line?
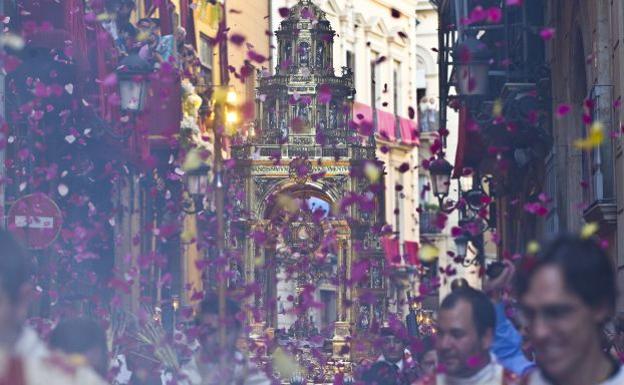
[63,189]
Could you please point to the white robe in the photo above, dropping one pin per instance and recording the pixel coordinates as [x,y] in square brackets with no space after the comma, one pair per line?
[492,374]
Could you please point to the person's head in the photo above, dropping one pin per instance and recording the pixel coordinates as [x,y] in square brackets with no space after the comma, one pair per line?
[125,9]
[428,358]
[147,24]
[466,322]
[85,337]
[15,273]
[459,283]
[567,293]
[210,324]
[392,345]
[180,34]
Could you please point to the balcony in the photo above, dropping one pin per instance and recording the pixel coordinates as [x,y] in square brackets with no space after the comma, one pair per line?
[598,164]
[428,222]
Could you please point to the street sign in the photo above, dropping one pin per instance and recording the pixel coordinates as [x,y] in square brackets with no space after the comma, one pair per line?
[36,220]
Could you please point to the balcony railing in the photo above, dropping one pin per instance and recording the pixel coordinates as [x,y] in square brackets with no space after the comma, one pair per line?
[428,222]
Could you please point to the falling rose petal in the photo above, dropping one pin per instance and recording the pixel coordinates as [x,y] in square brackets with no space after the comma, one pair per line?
[372,172]
[395,13]
[404,167]
[494,15]
[13,41]
[411,112]
[70,139]
[62,189]
[589,229]
[306,13]
[284,12]
[473,362]
[366,128]
[594,138]
[563,110]
[324,94]
[536,208]
[533,247]
[255,56]
[237,39]
[547,33]
[514,2]
[429,253]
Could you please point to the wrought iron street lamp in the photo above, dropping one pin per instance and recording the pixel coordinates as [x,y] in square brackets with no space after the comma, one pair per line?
[461,245]
[440,171]
[196,186]
[133,82]
[472,64]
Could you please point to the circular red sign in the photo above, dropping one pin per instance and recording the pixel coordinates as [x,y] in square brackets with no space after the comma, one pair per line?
[36,220]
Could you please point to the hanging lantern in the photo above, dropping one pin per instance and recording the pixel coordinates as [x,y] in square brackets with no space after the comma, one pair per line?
[461,245]
[133,82]
[472,65]
[440,171]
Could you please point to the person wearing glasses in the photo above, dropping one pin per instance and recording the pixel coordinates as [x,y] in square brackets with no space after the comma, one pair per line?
[567,294]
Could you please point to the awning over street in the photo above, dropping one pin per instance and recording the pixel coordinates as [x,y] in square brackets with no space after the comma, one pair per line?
[469,143]
[386,123]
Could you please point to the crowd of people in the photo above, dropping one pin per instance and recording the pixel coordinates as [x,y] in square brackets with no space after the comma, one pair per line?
[557,335]
[145,38]
[561,331]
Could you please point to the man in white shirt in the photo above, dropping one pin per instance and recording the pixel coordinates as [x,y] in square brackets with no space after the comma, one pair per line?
[568,293]
[466,323]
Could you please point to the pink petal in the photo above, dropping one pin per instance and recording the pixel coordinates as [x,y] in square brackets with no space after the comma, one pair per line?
[547,33]
[563,110]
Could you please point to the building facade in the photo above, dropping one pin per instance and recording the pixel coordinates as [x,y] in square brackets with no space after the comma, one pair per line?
[585,184]
[377,46]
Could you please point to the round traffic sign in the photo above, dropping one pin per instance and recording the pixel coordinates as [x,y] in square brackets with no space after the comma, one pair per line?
[36,220]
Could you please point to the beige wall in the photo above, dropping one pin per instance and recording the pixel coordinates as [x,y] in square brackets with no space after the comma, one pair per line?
[253,23]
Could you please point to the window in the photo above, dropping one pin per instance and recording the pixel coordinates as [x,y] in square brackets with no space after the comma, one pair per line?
[552,219]
[396,98]
[372,85]
[205,51]
[351,63]
[375,80]
[423,188]
[396,81]
[399,210]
